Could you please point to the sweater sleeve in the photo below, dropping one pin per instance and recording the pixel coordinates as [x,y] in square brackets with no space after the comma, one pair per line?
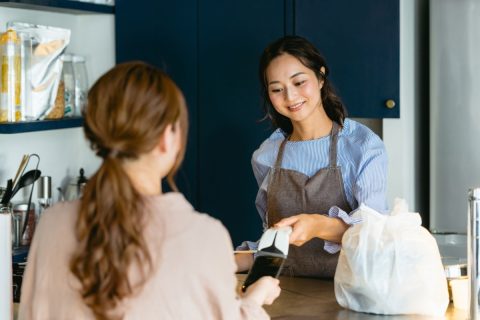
[224,286]
[27,302]
[26,305]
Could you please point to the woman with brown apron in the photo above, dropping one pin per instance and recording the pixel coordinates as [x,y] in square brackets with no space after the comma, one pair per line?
[317,166]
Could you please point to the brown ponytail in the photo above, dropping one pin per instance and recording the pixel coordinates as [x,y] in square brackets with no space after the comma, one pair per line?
[128,110]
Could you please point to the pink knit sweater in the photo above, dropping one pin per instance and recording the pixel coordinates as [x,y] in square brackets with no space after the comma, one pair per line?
[193,276]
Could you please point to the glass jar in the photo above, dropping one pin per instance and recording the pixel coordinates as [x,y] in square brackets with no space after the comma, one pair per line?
[68,80]
[10,76]
[81,84]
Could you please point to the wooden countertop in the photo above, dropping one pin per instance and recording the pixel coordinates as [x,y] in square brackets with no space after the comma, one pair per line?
[314,299]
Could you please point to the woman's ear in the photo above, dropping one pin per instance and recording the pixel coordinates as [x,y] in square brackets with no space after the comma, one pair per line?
[322,78]
[169,141]
[166,139]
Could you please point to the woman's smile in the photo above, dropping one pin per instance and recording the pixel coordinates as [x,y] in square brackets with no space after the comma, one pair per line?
[296,107]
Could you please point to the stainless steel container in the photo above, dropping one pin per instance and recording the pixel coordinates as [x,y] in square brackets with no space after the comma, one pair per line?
[28,218]
[473,250]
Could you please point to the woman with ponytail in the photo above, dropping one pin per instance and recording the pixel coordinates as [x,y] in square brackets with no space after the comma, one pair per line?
[127,250]
[317,166]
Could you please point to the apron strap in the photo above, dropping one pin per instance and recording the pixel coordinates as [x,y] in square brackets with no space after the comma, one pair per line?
[333,145]
[278,162]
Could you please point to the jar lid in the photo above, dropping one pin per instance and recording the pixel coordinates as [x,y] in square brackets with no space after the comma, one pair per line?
[67,57]
[9,35]
[78,58]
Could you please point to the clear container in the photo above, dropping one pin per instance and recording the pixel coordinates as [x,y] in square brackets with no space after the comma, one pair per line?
[10,84]
[473,250]
[81,84]
[25,86]
[68,80]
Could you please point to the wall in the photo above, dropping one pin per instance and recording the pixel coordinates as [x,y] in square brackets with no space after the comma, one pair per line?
[455,95]
[406,138]
[62,152]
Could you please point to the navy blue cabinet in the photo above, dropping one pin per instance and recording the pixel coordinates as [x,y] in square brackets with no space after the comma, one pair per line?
[164,34]
[360,41]
[232,35]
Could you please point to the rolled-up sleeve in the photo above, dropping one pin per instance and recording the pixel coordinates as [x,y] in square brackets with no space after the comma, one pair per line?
[336,212]
[369,186]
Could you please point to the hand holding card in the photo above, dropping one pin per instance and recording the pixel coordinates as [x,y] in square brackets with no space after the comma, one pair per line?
[272,253]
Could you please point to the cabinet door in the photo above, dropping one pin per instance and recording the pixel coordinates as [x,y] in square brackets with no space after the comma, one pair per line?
[360,41]
[232,35]
[164,33]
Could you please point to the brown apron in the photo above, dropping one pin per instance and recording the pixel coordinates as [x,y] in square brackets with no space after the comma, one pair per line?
[291,192]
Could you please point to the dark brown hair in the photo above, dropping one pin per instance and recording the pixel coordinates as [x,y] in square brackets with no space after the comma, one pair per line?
[128,110]
[311,58]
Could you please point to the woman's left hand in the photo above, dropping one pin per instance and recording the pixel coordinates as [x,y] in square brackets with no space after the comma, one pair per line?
[308,226]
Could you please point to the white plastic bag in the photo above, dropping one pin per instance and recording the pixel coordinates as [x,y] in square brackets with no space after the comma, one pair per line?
[390,265]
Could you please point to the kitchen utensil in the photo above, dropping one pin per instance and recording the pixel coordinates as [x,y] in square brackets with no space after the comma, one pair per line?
[7,195]
[21,169]
[35,177]
[25,180]
[74,189]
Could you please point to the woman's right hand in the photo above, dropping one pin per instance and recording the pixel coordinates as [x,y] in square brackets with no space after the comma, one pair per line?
[264,291]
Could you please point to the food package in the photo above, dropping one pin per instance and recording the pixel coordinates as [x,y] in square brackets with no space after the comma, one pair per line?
[390,264]
[48,44]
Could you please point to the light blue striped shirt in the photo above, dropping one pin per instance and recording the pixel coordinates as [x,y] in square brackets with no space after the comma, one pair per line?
[360,154]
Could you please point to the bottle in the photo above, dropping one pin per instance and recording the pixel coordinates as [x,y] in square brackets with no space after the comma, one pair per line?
[68,80]
[473,250]
[44,194]
[81,84]
[10,92]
